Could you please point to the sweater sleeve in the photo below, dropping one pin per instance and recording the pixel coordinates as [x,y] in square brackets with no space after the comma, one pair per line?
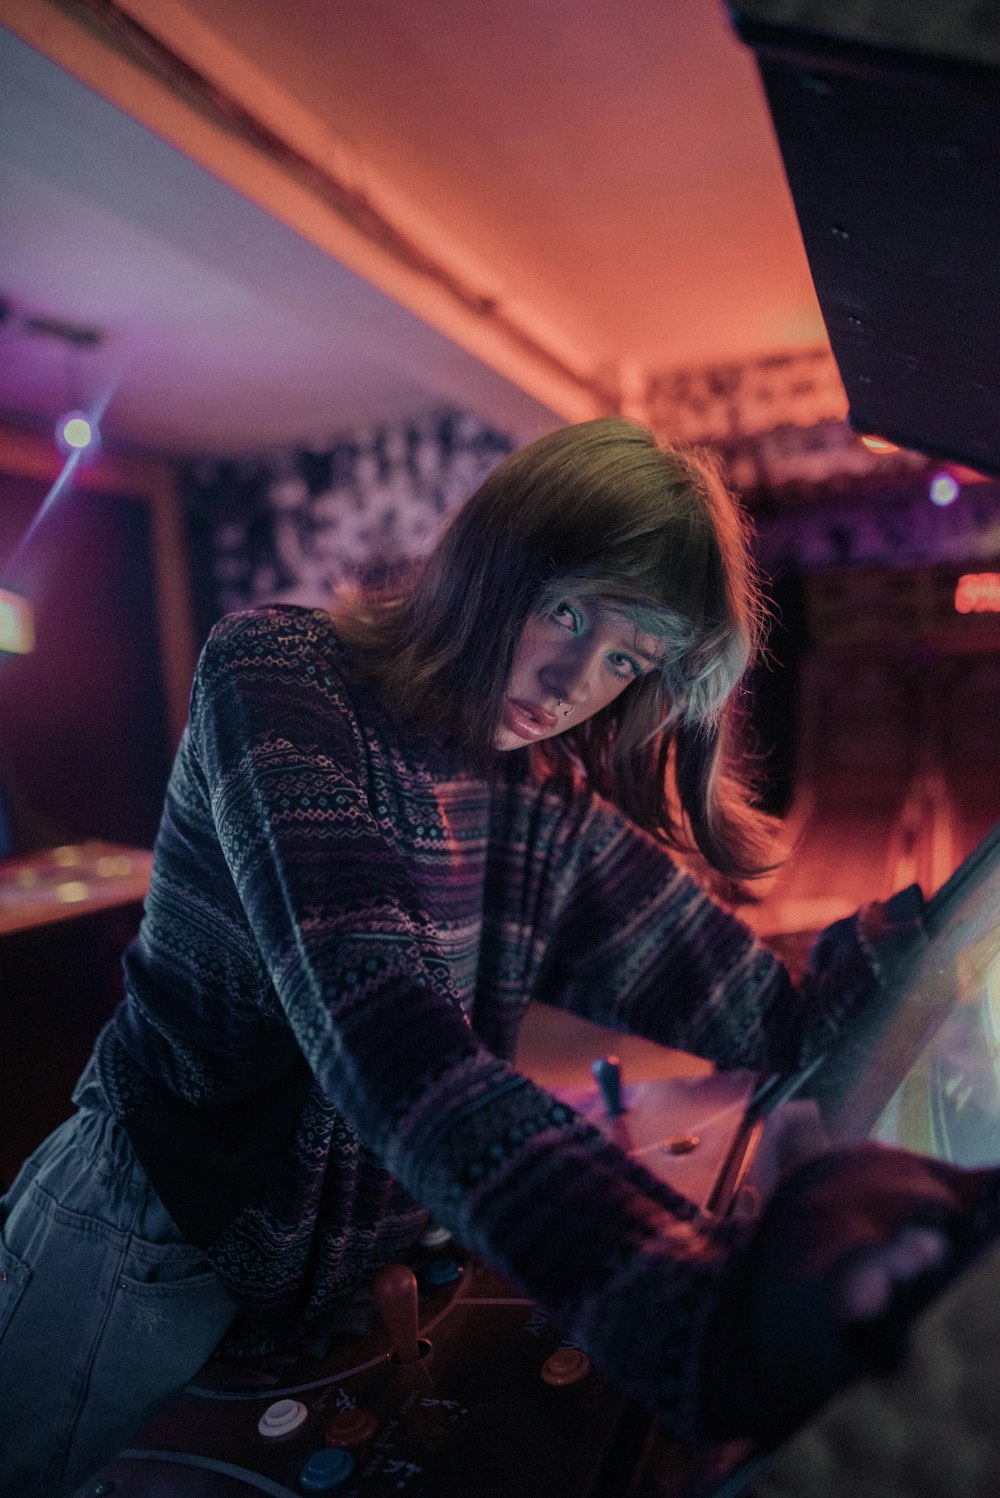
[356,966]
[639,946]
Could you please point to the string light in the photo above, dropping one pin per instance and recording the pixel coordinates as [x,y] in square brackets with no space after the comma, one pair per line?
[943,488]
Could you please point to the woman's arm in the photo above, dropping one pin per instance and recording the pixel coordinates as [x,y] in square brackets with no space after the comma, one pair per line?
[638,945]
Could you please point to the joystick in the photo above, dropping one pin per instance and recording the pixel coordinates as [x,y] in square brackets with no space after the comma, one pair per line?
[607,1072]
[395,1291]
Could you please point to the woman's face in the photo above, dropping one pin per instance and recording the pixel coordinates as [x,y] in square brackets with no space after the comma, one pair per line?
[568,665]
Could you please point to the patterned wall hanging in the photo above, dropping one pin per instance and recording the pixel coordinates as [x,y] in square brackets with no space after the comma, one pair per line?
[779,424]
[293,526]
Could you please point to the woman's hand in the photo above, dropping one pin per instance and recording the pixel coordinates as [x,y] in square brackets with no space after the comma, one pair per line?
[853,1244]
[880,1275]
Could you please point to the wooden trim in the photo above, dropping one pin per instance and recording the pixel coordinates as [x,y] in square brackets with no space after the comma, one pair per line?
[27,454]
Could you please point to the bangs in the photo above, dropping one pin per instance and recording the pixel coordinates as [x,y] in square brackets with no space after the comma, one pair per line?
[611,594]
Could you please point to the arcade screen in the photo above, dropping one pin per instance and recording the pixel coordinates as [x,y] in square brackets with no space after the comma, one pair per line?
[921,1066]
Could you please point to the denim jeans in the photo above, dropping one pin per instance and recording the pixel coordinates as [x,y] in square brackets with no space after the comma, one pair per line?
[105,1310]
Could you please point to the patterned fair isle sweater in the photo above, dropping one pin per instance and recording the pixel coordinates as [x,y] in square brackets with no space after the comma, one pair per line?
[343,929]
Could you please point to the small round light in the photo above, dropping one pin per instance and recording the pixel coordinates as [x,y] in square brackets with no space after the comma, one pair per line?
[74,432]
[944,489]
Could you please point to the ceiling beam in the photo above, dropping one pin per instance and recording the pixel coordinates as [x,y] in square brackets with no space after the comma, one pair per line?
[160,63]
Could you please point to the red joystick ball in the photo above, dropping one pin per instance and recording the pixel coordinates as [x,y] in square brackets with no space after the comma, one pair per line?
[395,1292]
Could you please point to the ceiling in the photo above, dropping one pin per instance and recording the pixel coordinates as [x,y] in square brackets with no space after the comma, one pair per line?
[599,182]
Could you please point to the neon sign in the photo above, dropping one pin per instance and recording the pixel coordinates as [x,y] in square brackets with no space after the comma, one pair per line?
[978,593]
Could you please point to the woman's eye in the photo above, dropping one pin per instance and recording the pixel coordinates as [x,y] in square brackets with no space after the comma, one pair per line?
[624,667]
[569,617]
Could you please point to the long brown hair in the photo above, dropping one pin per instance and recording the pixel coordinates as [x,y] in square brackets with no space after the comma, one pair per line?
[597,510]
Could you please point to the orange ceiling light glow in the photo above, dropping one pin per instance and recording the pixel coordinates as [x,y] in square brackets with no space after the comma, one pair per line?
[978,593]
[17,627]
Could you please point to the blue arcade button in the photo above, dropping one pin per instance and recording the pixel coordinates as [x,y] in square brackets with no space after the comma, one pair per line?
[326,1470]
[440,1272]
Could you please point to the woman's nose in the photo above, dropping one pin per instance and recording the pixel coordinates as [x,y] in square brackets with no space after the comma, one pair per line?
[568,678]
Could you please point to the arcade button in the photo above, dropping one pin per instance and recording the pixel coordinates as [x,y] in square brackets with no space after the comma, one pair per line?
[326,1470]
[346,1428]
[436,1236]
[566,1366]
[440,1272]
[281,1418]
[682,1144]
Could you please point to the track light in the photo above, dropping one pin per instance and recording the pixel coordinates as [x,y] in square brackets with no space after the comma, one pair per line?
[75,432]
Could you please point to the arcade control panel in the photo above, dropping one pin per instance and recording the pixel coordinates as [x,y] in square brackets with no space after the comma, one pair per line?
[456,1386]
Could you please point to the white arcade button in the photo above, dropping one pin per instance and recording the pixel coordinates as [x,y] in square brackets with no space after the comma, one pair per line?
[281,1418]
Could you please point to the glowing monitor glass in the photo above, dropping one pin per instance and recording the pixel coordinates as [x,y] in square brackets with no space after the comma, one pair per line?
[920,1067]
[948,1103]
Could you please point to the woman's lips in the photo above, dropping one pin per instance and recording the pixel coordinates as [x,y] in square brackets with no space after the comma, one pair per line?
[527,720]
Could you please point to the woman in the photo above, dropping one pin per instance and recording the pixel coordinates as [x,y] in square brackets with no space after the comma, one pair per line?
[383,836]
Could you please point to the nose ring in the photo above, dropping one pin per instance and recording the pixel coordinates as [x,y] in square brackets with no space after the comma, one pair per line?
[568,710]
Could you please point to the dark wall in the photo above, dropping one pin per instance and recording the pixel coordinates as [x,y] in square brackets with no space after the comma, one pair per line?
[58,985]
[83,745]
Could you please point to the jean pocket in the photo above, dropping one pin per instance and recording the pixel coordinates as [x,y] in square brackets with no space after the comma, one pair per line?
[14,1277]
[160,1333]
[171,1278]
